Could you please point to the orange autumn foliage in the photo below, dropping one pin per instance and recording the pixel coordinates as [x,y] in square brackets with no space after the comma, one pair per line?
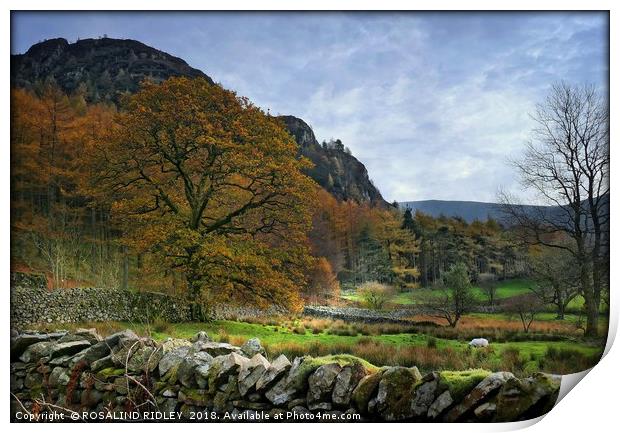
[207,181]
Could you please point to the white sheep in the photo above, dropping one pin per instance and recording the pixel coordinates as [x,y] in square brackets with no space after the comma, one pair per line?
[479,342]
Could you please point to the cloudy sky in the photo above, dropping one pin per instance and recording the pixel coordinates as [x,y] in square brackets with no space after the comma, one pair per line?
[432,103]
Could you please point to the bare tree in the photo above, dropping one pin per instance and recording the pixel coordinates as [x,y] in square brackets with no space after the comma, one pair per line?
[556,276]
[456,298]
[567,165]
[525,307]
[488,285]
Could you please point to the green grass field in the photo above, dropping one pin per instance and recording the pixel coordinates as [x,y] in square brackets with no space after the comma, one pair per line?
[388,349]
[505,289]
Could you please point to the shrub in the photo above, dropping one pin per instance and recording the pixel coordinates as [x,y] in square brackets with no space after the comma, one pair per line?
[375,294]
[431,342]
[161,326]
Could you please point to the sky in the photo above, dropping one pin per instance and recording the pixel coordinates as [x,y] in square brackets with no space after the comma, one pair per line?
[434,104]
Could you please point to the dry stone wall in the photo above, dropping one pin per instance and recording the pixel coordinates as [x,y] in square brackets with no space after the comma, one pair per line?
[83,376]
[33,303]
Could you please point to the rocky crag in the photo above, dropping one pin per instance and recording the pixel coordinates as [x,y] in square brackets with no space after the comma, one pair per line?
[83,376]
[336,170]
[103,69]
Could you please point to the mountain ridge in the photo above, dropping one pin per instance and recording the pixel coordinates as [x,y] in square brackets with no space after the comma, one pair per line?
[103,69]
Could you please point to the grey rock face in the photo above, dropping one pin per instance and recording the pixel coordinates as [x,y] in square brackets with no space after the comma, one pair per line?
[251,372]
[440,405]
[424,396]
[171,358]
[215,349]
[186,372]
[346,381]
[68,348]
[321,382]
[224,366]
[37,351]
[20,342]
[58,376]
[278,368]
[485,412]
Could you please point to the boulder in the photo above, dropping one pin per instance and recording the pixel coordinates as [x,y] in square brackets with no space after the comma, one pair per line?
[172,357]
[102,363]
[295,382]
[365,390]
[21,342]
[114,339]
[527,398]
[395,392]
[222,367]
[37,351]
[425,394]
[443,402]
[89,335]
[485,412]
[68,348]
[484,390]
[321,382]
[278,368]
[146,358]
[124,350]
[97,351]
[58,377]
[215,349]
[346,381]
[251,372]
[252,347]
[186,369]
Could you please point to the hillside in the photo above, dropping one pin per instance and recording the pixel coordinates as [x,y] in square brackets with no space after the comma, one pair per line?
[468,210]
[103,69]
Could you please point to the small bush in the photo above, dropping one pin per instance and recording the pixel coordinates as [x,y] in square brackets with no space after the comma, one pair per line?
[431,342]
[161,326]
[375,294]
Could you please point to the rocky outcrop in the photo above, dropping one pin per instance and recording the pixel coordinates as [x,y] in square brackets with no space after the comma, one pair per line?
[103,69]
[335,169]
[68,373]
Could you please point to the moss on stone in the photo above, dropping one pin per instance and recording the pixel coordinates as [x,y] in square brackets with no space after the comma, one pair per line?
[345,359]
[171,375]
[460,383]
[109,372]
[365,389]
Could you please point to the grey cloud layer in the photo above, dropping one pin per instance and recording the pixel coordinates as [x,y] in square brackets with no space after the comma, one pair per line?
[432,103]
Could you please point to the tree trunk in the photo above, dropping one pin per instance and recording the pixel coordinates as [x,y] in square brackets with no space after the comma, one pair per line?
[125,280]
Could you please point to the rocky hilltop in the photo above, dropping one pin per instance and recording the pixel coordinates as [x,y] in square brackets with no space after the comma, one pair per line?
[105,67]
[336,170]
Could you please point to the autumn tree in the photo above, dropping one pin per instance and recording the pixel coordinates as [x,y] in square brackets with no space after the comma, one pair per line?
[208,181]
[323,286]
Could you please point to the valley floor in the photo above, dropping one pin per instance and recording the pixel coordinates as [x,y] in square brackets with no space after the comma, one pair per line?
[549,350]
